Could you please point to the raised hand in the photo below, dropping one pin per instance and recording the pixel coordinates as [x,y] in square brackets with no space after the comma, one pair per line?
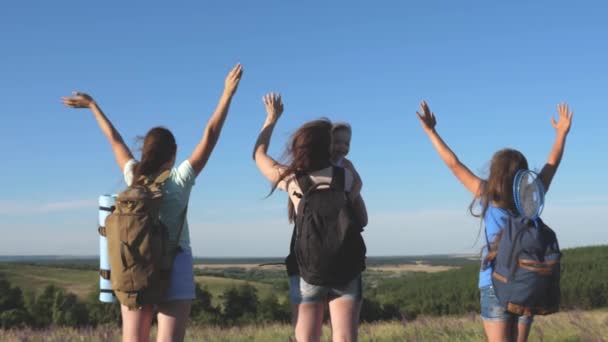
[78,100]
[427,118]
[274,106]
[233,79]
[564,119]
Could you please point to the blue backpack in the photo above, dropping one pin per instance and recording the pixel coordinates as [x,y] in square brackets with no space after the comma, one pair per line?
[526,266]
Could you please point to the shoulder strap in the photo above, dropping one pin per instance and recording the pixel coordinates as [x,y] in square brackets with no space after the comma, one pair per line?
[307,185]
[304,181]
[154,183]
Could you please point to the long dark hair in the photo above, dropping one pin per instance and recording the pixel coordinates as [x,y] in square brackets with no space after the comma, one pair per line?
[307,151]
[497,190]
[158,148]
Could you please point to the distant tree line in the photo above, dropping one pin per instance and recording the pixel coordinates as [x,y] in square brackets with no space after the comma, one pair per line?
[453,292]
[583,283]
[55,306]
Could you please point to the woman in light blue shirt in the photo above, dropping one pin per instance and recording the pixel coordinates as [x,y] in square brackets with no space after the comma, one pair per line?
[158,153]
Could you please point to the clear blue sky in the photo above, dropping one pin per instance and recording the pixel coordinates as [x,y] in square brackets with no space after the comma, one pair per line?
[492,72]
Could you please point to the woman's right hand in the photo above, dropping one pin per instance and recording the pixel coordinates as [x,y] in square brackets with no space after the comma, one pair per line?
[274,106]
[78,100]
[233,79]
[427,118]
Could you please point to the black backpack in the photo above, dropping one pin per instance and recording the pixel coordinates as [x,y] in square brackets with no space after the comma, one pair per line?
[327,242]
[526,273]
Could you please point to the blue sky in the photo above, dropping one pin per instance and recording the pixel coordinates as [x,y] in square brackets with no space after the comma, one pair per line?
[492,72]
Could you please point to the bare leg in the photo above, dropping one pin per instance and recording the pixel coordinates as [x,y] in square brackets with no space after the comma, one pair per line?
[522,332]
[308,321]
[344,313]
[136,324]
[496,331]
[172,320]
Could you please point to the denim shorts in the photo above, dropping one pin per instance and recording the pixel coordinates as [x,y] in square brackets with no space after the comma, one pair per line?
[182,277]
[301,292]
[491,310]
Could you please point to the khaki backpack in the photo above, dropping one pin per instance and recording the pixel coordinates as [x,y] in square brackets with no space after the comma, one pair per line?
[140,252]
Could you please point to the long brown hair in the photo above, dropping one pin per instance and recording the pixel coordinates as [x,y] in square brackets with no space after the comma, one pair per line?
[497,190]
[307,151]
[158,148]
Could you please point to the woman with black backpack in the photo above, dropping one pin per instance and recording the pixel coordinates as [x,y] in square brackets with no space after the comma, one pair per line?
[158,154]
[326,259]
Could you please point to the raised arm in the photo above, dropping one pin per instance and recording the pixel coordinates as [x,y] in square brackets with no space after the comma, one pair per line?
[269,167]
[464,175]
[199,157]
[562,127]
[82,100]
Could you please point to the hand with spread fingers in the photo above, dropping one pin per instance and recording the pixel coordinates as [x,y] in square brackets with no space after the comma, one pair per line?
[274,106]
[564,119]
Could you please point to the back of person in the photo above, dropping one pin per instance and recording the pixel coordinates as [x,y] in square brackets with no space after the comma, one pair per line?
[308,153]
[526,267]
[328,245]
[496,196]
[176,194]
[158,153]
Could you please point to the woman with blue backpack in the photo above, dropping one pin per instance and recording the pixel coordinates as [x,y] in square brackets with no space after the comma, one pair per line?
[327,253]
[499,208]
[158,157]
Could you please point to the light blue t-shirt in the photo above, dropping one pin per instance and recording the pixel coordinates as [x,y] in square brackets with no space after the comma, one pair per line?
[176,194]
[494,220]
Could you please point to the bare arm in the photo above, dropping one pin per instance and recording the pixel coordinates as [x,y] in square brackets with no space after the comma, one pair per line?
[464,175]
[120,149]
[562,127]
[269,167]
[199,157]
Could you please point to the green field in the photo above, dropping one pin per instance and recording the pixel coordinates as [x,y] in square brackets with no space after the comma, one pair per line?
[562,327]
[80,276]
[33,278]
[217,285]
[412,289]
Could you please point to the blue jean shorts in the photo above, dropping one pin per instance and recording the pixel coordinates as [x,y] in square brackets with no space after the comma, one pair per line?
[491,310]
[182,277]
[301,292]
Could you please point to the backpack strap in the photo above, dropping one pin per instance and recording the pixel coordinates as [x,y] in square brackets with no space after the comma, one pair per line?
[156,184]
[304,182]
[307,185]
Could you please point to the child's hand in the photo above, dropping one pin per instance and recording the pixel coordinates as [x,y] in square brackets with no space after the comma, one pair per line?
[564,119]
[274,106]
[427,118]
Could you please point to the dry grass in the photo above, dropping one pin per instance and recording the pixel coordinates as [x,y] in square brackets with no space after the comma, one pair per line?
[562,327]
